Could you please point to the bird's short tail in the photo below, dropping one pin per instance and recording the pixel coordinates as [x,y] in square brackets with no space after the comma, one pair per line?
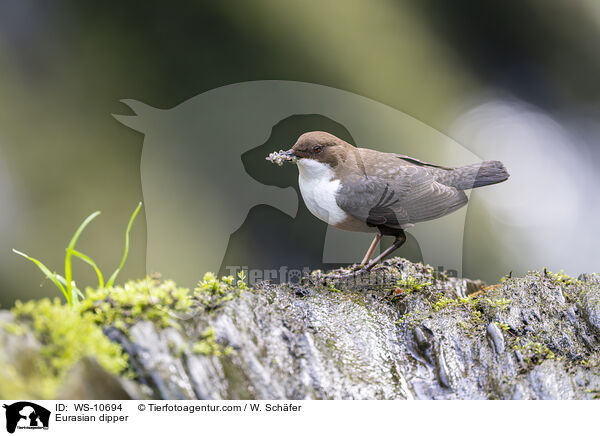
[476,175]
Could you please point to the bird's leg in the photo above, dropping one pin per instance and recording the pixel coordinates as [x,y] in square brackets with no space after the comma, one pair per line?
[371,249]
[400,239]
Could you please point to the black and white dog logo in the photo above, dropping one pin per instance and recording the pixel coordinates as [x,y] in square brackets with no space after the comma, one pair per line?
[26,415]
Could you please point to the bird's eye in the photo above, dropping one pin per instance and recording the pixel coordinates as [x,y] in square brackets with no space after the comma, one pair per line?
[317,148]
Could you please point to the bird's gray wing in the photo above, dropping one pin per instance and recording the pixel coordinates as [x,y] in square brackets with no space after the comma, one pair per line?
[398,196]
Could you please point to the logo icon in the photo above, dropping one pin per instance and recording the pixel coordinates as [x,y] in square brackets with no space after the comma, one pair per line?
[26,415]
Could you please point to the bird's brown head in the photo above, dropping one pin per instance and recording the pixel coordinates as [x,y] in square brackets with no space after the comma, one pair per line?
[320,146]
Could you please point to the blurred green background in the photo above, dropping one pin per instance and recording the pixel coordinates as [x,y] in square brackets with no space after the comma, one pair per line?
[66,64]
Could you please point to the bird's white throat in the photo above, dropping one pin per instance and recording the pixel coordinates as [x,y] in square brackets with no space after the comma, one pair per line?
[319,188]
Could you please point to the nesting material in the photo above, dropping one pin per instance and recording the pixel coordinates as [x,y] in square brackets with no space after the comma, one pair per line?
[279,157]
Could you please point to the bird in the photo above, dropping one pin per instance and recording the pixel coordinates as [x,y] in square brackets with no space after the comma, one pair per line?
[364,190]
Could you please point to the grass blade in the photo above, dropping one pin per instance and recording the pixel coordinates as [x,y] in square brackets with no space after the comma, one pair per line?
[61,279]
[90,262]
[47,273]
[68,270]
[114,275]
[77,294]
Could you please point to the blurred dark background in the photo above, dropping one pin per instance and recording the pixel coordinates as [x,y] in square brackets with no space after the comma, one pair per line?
[457,66]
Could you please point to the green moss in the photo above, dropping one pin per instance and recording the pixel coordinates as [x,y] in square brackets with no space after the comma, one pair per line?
[503,326]
[561,278]
[14,384]
[411,319]
[211,292]
[411,284]
[405,286]
[65,336]
[595,393]
[592,361]
[146,299]
[13,328]
[533,352]
[332,288]
[498,303]
[163,303]
[444,302]
[207,345]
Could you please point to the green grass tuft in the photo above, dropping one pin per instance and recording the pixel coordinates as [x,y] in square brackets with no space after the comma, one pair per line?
[66,284]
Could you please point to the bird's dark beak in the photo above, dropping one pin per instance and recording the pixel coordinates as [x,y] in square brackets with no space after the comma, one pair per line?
[290,156]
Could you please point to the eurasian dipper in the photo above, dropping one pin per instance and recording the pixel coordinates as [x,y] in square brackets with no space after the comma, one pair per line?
[364,190]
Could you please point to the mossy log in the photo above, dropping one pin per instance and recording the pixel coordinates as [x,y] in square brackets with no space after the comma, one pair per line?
[402,331]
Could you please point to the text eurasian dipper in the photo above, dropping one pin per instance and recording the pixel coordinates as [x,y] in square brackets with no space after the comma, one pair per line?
[365,190]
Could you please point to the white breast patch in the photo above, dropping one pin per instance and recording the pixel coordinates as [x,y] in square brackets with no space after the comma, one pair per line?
[318,190]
